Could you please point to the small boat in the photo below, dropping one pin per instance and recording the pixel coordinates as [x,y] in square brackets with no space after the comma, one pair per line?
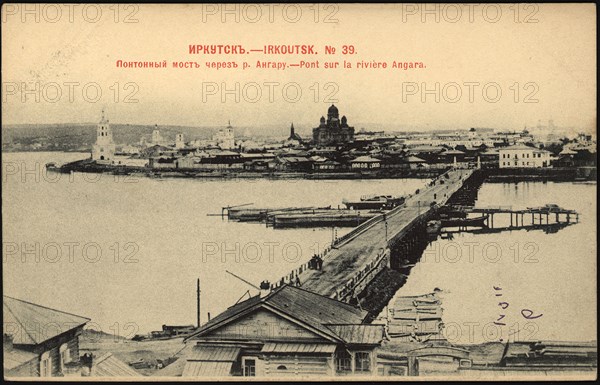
[374,202]
[462,222]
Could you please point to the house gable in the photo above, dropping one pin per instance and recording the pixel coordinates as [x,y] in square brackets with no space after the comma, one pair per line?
[263,325]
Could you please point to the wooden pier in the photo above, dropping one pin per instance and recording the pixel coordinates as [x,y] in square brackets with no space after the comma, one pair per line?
[538,215]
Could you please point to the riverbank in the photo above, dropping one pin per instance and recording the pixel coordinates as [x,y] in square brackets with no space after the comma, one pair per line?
[89,166]
[562,174]
[498,175]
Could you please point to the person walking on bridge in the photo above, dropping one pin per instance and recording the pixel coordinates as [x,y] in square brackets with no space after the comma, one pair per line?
[319,262]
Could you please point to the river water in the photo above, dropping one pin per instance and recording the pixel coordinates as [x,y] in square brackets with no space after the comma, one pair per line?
[126,251]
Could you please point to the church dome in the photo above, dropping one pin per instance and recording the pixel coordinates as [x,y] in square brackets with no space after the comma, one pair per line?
[333,111]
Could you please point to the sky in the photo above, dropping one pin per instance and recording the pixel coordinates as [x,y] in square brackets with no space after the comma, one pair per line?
[504,67]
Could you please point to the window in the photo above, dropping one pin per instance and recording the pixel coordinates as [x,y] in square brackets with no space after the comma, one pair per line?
[249,367]
[362,362]
[282,367]
[45,365]
[65,355]
[343,362]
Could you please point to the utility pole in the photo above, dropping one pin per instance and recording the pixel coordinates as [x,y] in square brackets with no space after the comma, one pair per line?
[198,301]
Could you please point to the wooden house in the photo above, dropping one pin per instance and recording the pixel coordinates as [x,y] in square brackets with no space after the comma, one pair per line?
[39,341]
[42,342]
[287,332]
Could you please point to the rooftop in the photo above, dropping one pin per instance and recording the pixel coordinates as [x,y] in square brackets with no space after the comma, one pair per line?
[313,310]
[365,159]
[29,318]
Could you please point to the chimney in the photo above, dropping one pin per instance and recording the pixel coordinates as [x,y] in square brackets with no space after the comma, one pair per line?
[7,341]
[265,288]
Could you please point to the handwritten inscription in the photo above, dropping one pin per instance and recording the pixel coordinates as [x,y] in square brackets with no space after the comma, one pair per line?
[504,305]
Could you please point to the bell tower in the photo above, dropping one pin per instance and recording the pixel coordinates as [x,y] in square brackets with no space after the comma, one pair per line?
[104,149]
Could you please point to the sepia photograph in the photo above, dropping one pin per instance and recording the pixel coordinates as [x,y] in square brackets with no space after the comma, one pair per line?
[299,192]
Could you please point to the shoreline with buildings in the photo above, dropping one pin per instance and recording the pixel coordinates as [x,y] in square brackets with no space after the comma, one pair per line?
[336,151]
[564,174]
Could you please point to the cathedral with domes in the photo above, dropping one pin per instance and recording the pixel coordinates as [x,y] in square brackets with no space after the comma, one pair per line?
[334,130]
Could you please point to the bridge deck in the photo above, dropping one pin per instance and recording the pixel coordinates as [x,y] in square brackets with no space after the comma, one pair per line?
[342,263]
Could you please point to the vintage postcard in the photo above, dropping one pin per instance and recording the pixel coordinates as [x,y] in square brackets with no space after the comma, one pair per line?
[339,192]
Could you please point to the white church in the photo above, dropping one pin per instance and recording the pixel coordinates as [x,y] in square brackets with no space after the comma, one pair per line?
[104,149]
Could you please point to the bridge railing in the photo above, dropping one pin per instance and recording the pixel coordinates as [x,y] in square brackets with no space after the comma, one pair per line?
[290,277]
[350,285]
[358,230]
[369,223]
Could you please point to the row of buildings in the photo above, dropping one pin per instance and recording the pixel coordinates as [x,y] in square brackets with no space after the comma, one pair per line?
[287,331]
[336,147]
[280,333]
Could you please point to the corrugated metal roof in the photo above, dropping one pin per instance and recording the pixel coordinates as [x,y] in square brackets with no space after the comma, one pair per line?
[110,366]
[220,353]
[34,323]
[207,369]
[307,307]
[314,309]
[297,348]
[370,334]
[228,313]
